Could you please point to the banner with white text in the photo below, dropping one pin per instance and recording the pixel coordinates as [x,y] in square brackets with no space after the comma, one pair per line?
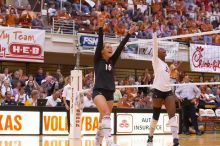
[205,58]
[143,51]
[139,123]
[13,122]
[18,44]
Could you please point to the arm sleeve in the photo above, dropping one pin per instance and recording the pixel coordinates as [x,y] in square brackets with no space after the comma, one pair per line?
[155,48]
[118,51]
[99,47]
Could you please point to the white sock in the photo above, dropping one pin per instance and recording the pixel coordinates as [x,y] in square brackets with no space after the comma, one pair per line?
[174,127]
[99,135]
[106,128]
[153,125]
[99,130]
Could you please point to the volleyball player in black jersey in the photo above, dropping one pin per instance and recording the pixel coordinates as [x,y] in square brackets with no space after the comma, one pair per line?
[104,62]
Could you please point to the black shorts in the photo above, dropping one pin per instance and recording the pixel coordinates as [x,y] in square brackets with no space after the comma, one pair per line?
[108,94]
[160,94]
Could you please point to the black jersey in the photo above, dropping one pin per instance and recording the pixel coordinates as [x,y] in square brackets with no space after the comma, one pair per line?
[104,70]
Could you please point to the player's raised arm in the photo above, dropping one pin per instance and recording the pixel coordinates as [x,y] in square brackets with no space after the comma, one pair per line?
[101,22]
[119,49]
[155,47]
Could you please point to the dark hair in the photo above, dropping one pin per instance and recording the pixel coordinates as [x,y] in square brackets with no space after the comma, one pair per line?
[102,8]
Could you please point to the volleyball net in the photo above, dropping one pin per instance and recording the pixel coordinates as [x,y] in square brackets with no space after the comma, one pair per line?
[201,54]
[133,96]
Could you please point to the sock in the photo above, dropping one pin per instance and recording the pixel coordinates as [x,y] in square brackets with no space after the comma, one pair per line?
[174,127]
[100,131]
[99,135]
[106,128]
[153,125]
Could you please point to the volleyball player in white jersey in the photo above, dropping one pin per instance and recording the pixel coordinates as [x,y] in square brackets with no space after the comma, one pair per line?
[162,93]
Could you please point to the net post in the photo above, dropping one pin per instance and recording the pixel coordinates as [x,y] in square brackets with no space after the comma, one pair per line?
[75,112]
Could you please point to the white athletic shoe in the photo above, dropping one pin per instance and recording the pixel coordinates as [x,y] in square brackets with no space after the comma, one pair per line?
[113,144]
[109,142]
[98,138]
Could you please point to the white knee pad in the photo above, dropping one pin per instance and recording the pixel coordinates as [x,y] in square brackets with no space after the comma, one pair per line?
[173,122]
[106,122]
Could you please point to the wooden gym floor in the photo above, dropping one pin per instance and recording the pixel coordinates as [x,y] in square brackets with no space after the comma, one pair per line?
[131,140]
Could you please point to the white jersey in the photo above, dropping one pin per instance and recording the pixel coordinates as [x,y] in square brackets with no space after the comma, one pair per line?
[161,71]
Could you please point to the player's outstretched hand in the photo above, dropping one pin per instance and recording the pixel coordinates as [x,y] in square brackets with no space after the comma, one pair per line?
[133,29]
[101,21]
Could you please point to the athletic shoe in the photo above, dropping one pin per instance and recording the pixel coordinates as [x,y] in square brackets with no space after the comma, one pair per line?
[113,144]
[187,133]
[150,141]
[199,133]
[176,142]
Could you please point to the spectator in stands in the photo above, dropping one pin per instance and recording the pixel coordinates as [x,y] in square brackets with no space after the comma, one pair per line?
[15,79]
[11,18]
[6,87]
[42,93]
[9,100]
[66,95]
[142,6]
[59,77]
[63,15]
[2,19]
[210,98]
[88,102]
[37,22]
[117,95]
[204,98]
[55,86]
[52,12]
[25,21]
[21,97]
[7,75]
[54,99]
[33,98]
[40,76]
[125,103]
[217,99]
[1,98]
[84,8]
[28,11]
[30,87]
[66,4]
[30,78]
[18,86]
[119,28]
[19,3]
[130,8]
[22,77]
[174,71]
[156,7]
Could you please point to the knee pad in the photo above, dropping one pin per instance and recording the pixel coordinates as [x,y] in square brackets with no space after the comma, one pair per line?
[156,113]
[106,122]
[173,122]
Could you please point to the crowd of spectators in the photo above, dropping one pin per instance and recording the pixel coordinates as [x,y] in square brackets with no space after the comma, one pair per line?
[169,17]
[19,89]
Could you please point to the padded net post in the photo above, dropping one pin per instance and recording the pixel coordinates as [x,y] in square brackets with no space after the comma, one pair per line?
[75,109]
